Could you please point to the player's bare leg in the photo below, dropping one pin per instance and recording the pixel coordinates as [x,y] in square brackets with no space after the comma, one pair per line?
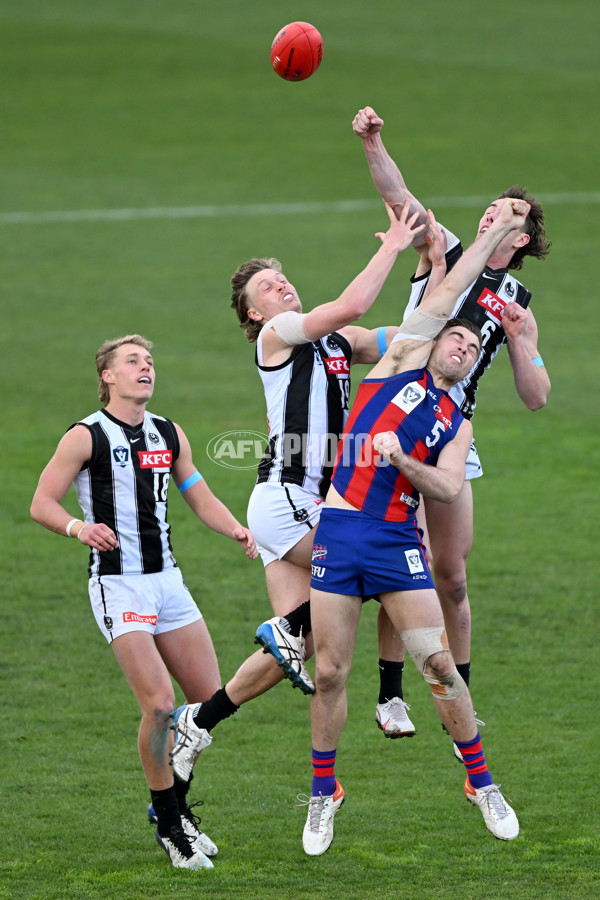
[256,675]
[288,581]
[190,657]
[149,680]
[414,610]
[290,641]
[335,619]
[450,527]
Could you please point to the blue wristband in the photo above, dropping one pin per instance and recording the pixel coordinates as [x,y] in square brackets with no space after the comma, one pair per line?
[382,339]
[187,484]
[537,361]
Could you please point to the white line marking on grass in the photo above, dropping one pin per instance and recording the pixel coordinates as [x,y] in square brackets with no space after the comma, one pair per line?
[257,209]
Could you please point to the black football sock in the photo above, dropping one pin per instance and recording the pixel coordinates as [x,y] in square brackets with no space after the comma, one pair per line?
[464,670]
[390,680]
[181,791]
[299,620]
[217,708]
[166,808]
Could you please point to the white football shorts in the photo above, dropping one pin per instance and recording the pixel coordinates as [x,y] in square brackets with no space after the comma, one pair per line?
[155,603]
[473,465]
[280,515]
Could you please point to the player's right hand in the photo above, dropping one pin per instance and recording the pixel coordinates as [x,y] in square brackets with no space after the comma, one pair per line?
[246,540]
[387,444]
[366,122]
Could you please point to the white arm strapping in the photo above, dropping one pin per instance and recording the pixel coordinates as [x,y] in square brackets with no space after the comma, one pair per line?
[289,326]
[418,326]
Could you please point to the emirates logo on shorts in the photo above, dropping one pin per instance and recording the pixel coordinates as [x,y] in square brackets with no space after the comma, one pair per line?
[135,617]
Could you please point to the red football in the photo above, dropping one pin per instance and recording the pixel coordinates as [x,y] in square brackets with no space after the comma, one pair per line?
[297,51]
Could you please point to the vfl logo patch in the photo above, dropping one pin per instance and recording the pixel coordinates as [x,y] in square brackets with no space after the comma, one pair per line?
[121,455]
[410,395]
[414,561]
[337,365]
[135,617]
[155,459]
[493,304]
[319,552]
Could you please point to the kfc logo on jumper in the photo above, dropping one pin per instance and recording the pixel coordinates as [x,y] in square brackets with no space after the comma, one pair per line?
[155,459]
[492,303]
[135,617]
[337,365]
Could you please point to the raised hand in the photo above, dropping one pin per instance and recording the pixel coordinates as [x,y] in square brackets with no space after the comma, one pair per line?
[513,212]
[404,230]
[366,122]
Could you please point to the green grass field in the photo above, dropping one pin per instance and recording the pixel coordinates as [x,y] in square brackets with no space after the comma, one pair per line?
[148,149]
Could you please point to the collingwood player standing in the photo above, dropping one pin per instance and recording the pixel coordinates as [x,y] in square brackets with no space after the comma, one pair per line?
[120,460]
[499,305]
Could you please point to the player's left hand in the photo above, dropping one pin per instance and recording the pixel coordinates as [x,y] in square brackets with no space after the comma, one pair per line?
[435,238]
[244,537]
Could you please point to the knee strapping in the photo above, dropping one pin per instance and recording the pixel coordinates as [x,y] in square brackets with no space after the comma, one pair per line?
[423,643]
[446,687]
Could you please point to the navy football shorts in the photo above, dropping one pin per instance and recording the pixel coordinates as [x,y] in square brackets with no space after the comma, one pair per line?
[361,556]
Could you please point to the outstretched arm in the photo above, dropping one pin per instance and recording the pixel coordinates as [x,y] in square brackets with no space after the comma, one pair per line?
[291,328]
[362,291]
[386,175]
[441,300]
[531,379]
[365,343]
[436,243]
[413,344]
[203,502]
